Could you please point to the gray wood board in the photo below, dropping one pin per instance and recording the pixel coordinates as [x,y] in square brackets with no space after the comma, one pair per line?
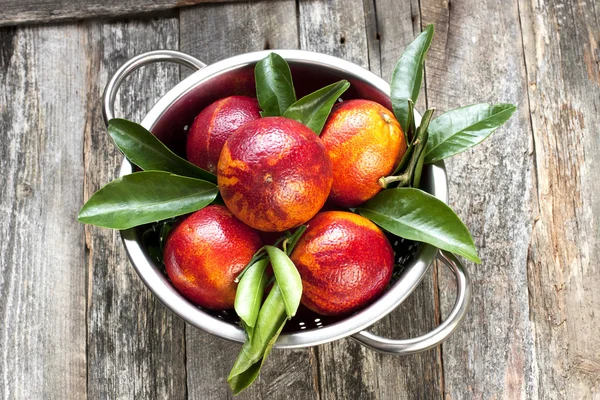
[136,347]
[42,274]
[561,46]
[476,56]
[213,32]
[39,11]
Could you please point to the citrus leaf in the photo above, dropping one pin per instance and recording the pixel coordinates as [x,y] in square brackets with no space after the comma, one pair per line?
[312,110]
[241,381]
[260,254]
[409,174]
[411,126]
[271,319]
[274,85]
[408,75]
[404,162]
[243,372]
[416,179]
[272,314]
[287,277]
[143,149]
[415,215]
[250,290]
[458,130]
[245,379]
[293,239]
[423,137]
[145,197]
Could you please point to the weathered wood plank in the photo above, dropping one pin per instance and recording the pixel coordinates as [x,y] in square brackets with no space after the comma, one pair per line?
[40,11]
[212,33]
[477,56]
[561,41]
[374,36]
[136,347]
[335,27]
[42,274]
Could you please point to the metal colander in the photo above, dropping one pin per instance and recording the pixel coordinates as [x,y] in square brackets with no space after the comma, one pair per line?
[169,120]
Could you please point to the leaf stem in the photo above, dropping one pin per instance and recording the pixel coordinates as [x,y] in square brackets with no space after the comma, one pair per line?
[288,241]
[410,122]
[293,240]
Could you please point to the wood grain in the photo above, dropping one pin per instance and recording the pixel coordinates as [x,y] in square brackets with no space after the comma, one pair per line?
[374,37]
[40,11]
[476,56]
[562,57]
[397,24]
[42,274]
[77,322]
[336,28]
[136,347]
[214,32]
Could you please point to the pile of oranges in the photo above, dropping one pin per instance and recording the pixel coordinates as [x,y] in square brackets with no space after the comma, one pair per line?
[275,174]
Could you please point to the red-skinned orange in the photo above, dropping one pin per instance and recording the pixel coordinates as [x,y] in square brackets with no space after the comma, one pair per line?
[365,142]
[274,174]
[205,252]
[213,126]
[345,262]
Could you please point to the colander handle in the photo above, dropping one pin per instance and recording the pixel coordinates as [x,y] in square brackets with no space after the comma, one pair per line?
[439,334]
[151,57]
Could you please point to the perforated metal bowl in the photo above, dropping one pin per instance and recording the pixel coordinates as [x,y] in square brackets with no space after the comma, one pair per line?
[169,120]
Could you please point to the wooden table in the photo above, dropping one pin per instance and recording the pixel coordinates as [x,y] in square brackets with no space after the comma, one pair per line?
[76,321]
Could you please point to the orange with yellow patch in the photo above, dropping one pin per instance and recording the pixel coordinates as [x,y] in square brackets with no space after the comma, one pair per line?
[365,142]
[345,262]
[205,252]
[274,174]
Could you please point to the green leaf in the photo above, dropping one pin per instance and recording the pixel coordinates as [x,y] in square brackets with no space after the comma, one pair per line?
[411,167]
[274,86]
[408,75]
[416,178]
[245,379]
[416,215]
[143,149]
[411,127]
[458,130]
[260,254]
[145,197]
[405,160]
[244,369]
[287,277]
[423,137]
[272,314]
[271,319]
[241,381]
[250,291]
[289,245]
[312,110]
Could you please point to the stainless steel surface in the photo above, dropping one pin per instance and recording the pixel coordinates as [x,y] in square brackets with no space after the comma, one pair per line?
[439,334]
[151,57]
[169,120]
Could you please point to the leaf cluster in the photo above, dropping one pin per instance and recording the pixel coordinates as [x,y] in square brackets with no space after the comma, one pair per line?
[263,322]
